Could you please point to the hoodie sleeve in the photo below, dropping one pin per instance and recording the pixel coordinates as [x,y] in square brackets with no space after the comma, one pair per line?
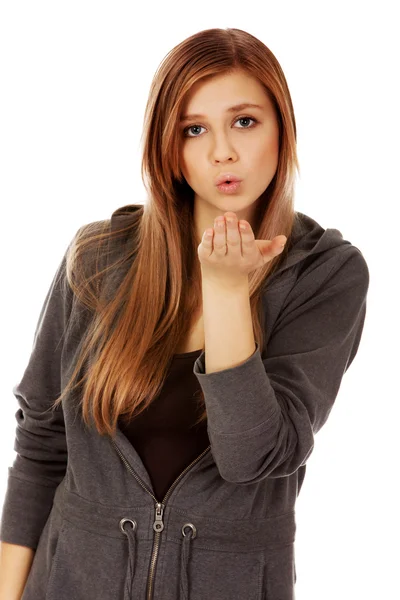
[264,413]
[40,441]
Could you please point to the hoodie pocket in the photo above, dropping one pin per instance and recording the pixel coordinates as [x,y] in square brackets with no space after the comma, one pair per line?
[87,566]
[43,559]
[280,573]
[224,575]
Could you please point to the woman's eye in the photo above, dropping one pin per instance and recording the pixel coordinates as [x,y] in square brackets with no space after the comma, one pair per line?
[187,129]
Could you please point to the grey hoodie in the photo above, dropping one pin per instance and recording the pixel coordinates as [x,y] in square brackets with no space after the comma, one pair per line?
[226,528]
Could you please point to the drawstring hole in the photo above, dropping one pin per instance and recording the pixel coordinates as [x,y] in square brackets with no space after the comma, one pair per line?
[122,523]
[193,528]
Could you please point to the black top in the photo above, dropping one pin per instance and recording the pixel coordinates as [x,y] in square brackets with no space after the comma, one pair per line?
[164,434]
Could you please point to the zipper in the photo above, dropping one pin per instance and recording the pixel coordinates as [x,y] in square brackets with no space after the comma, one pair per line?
[158,524]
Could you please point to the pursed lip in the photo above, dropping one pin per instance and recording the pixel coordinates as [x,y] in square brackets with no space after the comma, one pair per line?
[226,177]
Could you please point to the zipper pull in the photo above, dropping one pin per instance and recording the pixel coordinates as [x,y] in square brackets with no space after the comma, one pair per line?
[158,524]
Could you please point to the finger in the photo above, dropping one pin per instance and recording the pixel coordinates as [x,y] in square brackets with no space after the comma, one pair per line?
[233,237]
[247,236]
[279,242]
[219,241]
[207,238]
[269,249]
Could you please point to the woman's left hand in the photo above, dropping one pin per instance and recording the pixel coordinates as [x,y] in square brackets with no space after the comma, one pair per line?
[230,254]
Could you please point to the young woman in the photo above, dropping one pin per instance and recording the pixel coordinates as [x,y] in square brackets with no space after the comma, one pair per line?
[177,379]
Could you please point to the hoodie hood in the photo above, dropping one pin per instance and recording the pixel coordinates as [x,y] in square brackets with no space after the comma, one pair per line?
[310,238]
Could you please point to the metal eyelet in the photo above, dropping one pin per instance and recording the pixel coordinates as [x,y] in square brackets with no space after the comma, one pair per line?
[121,525]
[193,529]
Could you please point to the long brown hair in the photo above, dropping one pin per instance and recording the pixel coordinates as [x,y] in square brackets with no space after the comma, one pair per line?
[153,290]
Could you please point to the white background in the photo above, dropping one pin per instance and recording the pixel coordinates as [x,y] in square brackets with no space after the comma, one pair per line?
[74,83]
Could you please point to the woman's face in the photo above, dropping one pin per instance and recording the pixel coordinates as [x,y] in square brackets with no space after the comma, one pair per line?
[227,141]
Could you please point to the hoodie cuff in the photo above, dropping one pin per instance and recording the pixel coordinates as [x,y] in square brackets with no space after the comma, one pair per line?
[239,398]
